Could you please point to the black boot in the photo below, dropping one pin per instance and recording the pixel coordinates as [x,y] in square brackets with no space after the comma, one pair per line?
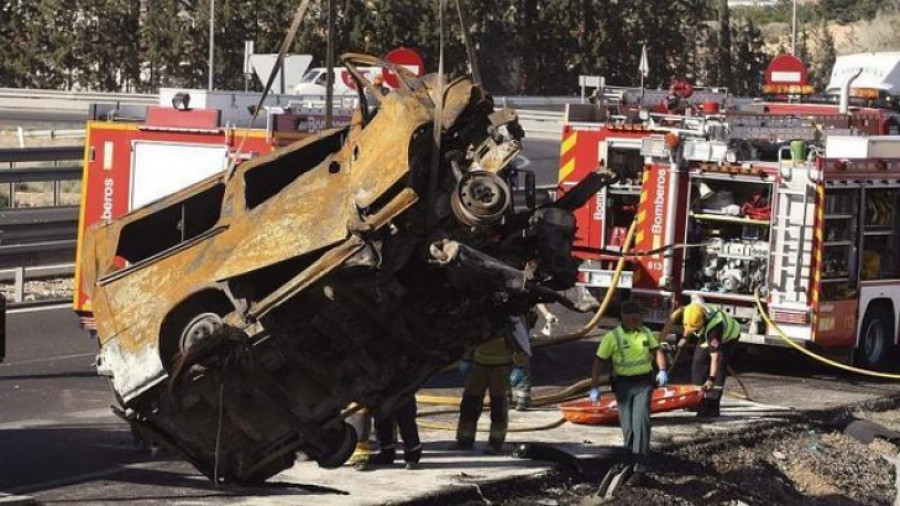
[411,457]
[385,457]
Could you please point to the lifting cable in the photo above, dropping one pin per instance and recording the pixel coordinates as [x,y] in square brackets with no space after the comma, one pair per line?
[812,355]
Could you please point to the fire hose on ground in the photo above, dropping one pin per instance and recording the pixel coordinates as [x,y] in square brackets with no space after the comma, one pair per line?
[812,355]
[578,388]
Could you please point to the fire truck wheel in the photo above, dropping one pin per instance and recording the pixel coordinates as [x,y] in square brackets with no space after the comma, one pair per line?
[875,338]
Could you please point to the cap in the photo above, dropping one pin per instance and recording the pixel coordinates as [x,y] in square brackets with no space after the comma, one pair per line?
[630,307]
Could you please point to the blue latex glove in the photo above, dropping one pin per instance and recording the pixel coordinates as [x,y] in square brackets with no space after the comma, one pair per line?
[517,376]
[595,395]
[464,367]
[662,378]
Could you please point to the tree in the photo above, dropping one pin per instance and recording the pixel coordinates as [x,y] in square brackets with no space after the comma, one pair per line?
[750,59]
[823,56]
[724,49]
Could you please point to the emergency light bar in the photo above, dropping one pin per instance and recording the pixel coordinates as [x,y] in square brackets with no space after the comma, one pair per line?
[867,93]
[788,89]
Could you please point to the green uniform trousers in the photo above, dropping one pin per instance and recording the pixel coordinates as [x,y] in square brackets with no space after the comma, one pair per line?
[633,395]
[481,378]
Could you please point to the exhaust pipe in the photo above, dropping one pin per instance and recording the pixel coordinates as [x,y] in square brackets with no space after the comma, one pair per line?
[844,106]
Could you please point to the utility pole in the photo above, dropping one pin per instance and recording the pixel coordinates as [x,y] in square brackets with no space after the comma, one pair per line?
[329,66]
[212,40]
[794,30]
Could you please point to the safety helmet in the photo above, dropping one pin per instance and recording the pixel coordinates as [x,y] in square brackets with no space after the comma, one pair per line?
[693,318]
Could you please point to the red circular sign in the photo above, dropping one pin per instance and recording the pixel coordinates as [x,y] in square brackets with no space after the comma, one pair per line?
[786,69]
[406,58]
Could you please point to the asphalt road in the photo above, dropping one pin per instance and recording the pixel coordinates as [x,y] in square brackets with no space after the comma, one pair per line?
[57,435]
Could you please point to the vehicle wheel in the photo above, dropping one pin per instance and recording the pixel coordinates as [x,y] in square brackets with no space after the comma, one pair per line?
[876,338]
[343,444]
[198,328]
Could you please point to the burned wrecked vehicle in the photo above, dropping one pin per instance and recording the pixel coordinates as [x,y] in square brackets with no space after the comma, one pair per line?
[241,316]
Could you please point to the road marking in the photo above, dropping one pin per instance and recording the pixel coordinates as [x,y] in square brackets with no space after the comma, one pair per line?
[67,305]
[104,414]
[48,359]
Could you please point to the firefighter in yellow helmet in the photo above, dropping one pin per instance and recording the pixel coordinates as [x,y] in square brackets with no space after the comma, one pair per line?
[717,334]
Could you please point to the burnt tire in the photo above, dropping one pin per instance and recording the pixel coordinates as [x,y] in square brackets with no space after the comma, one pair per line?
[342,445]
[876,339]
[198,328]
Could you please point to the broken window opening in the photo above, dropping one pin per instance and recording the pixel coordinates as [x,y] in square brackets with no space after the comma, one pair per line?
[159,231]
[266,180]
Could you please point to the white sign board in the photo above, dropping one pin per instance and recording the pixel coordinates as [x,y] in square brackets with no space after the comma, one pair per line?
[160,168]
[293,68]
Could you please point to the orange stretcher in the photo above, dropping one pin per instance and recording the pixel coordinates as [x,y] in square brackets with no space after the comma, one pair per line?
[668,398]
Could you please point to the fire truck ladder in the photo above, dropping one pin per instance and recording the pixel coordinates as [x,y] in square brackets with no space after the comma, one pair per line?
[792,237]
[784,128]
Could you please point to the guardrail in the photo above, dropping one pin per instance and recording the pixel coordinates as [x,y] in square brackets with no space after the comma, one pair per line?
[38,242]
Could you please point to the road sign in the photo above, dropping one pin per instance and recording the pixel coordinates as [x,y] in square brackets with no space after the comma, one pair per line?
[786,69]
[406,58]
[786,75]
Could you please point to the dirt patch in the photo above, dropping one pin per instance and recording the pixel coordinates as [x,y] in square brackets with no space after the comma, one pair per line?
[793,466]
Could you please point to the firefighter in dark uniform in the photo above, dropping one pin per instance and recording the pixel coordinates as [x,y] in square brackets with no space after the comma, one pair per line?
[488,368]
[631,348]
[717,335]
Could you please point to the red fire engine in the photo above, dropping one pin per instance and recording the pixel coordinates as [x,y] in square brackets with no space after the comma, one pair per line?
[128,164]
[794,208]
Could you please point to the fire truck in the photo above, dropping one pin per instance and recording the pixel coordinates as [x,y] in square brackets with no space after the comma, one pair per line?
[134,156]
[801,210]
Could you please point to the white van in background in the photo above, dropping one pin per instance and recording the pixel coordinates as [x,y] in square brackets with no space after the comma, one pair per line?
[313,82]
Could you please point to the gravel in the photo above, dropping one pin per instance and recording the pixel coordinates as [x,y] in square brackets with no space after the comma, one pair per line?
[789,466]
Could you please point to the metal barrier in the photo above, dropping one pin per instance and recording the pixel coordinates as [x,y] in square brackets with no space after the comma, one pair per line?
[38,242]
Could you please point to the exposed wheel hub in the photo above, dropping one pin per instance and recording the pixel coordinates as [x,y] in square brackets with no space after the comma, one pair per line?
[199,328]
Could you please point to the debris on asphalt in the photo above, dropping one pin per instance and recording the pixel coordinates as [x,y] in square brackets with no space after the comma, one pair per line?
[796,465]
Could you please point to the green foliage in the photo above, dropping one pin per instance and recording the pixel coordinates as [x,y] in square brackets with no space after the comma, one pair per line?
[522,46]
[822,60]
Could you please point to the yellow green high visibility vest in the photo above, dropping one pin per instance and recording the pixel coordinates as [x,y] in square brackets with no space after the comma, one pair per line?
[732,327]
[631,356]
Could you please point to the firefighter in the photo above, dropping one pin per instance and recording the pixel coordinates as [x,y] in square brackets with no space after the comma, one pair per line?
[386,426]
[717,334]
[362,423]
[630,348]
[488,368]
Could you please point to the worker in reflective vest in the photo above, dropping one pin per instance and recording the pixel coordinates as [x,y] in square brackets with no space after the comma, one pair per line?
[630,348]
[717,335]
[487,369]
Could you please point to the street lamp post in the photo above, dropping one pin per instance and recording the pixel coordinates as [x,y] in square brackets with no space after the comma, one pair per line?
[794,30]
[212,40]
